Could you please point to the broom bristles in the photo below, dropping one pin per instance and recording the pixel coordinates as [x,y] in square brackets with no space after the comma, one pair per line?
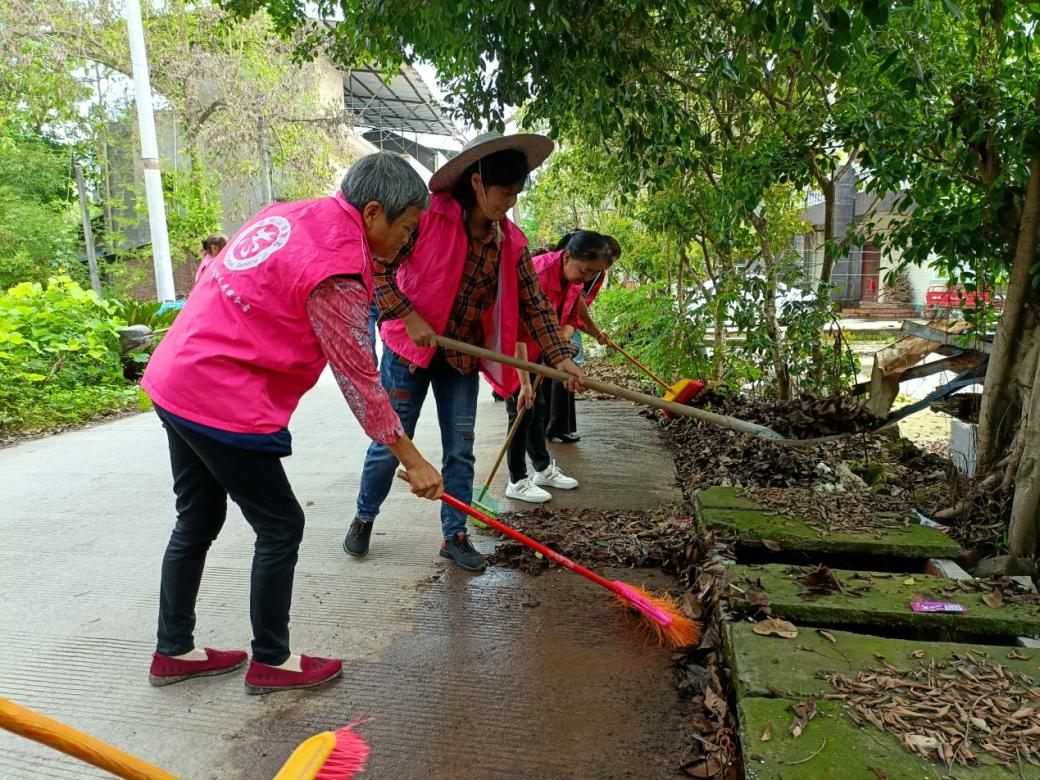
[680,632]
[348,758]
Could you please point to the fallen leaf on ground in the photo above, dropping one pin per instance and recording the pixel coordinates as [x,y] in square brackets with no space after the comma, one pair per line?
[828,636]
[909,581]
[994,599]
[821,581]
[770,545]
[775,627]
[768,733]
[1015,655]
[917,654]
[804,711]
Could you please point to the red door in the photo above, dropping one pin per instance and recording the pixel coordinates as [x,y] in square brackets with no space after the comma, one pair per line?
[869,272]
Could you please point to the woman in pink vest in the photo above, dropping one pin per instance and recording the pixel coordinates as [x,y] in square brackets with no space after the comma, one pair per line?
[561,426]
[579,257]
[467,275]
[287,296]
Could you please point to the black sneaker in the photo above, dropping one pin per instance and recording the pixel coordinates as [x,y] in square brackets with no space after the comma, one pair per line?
[463,553]
[356,543]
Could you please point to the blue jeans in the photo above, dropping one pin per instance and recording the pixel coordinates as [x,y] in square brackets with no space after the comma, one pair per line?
[456,396]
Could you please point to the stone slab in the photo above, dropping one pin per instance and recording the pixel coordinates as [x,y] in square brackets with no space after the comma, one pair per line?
[724,508]
[848,751]
[771,666]
[885,605]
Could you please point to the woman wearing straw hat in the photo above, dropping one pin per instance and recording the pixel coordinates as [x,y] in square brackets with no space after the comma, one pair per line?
[466,274]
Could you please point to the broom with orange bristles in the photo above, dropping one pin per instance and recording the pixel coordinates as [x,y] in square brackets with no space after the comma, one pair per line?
[331,755]
[660,614]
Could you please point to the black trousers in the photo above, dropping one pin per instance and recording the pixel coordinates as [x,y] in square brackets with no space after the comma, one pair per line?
[530,436]
[205,473]
[562,418]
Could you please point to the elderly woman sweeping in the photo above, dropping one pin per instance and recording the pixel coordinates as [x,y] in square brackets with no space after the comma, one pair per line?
[289,294]
[467,274]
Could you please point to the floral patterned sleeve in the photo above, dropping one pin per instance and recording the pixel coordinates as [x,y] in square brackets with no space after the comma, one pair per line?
[338,309]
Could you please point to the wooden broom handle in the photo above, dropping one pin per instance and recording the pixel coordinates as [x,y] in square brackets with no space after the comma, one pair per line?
[742,426]
[509,438]
[639,365]
[32,725]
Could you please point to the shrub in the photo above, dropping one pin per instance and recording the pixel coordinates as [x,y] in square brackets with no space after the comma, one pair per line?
[59,356]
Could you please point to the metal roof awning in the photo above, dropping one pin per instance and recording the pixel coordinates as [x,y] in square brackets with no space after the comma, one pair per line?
[405,105]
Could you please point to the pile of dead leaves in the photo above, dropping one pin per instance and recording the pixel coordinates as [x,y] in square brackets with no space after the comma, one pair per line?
[712,749]
[805,417]
[950,712]
[617,375]
[596,538]
[998,591]
[854,512]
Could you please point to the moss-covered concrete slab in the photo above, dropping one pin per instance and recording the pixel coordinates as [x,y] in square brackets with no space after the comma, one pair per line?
[727,510]
[885,604]
[770,666]
[848,751]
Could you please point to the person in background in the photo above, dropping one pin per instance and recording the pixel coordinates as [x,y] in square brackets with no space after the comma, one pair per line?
[289,295]
[212,246]
[578,258]
[466,274]
[562,418]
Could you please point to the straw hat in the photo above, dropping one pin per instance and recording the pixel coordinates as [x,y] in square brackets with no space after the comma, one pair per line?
[535,148]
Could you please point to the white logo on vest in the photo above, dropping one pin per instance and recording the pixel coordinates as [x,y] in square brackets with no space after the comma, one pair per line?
[257,243]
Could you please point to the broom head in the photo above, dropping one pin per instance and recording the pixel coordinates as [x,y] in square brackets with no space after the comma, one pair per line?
[331,755]
[682,392]
[661,615]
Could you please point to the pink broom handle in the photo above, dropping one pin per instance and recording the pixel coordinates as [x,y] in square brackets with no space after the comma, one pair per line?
[617,587]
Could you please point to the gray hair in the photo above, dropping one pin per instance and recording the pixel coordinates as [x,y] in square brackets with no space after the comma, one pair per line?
[388,180]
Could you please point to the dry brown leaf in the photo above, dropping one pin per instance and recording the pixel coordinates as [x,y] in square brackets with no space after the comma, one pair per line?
[994,599]
[1016,655]
[804,711]
[917,654]
[827,635]
[768,733]
[921,741]
[775,627]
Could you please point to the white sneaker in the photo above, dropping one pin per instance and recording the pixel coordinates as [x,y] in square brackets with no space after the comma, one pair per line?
[526,490]
[553,477]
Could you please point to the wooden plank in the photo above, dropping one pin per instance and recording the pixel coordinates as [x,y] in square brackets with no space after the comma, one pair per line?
[938,336]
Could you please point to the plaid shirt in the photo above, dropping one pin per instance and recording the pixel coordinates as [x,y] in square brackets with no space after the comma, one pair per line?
[475,295]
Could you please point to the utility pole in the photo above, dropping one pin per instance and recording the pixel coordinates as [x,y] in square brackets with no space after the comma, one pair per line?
[88,233]
[164,286]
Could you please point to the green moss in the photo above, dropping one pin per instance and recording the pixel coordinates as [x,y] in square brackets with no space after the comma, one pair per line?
[849,752]
[762,665]
[885,604]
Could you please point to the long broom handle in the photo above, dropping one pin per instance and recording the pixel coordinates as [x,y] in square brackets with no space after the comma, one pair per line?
[637,364]
[724,421]
[509,439]
[32,725]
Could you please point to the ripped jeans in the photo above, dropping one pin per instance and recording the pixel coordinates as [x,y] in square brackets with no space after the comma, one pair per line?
[456,396]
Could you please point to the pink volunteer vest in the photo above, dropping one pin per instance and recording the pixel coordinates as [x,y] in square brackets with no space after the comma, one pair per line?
[430,279]
[563,300]
[242,352]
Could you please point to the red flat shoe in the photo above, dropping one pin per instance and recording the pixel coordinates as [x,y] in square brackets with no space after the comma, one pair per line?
[166,670]
[261,678]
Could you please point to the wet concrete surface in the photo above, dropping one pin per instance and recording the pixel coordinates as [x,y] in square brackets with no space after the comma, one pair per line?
[506,675]
[463,676]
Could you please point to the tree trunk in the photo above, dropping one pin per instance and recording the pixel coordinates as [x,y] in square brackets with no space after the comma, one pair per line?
[1001,405]
[776,337]
[1025,508]
[828,189]
[680,295]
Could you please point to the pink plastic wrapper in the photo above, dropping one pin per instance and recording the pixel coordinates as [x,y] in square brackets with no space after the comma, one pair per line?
[937,606]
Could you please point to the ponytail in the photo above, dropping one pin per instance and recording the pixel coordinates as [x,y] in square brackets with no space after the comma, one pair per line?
[587,245]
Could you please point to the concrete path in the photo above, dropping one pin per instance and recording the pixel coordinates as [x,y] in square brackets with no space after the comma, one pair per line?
[463,676]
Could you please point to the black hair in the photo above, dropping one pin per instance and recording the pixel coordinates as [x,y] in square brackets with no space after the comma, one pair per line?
[213,240]
[615,248]
[587,245]
[506,168]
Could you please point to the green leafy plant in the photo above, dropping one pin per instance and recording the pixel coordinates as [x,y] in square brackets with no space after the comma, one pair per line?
[59,356]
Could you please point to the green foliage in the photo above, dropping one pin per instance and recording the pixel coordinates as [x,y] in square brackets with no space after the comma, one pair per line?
[59,356]
[37,220]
